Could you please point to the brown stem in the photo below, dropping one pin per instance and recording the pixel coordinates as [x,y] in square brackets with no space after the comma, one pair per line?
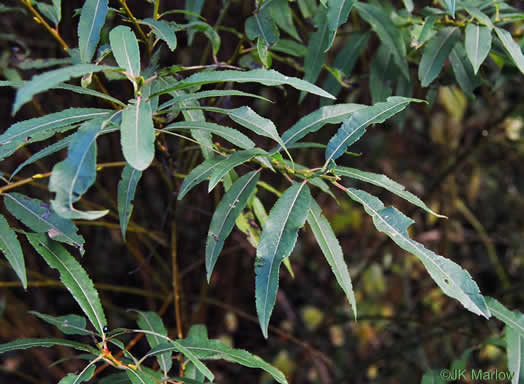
[40,20]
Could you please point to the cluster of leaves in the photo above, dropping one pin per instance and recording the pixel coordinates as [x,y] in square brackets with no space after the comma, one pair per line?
[161,94]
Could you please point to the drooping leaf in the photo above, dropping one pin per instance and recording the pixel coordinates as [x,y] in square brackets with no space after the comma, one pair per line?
[85,375]
[230,162]
[197,175]
[126,194]
[281,15]
[449,276]
[263,53]
[38,216]
[205,94]
[515,351]
[463,70]
[73,276]
[209,32]
[152,322]
[195,7]
[44,343]
[315,120]
[450,6]
[384,182]
[512,47]
[137,134]
[435,54]
[50,79]
[387,32]
[72,177]
[163,31]
[226,213]
[337,15]
[332,251]
[232,135]
[261,25]
[355,126]
[513,319]
[278,239]
[49,12]
[92,18]
[125,49]
[68,324]
[262,76]
[478,44]
[10,247]
[382,73]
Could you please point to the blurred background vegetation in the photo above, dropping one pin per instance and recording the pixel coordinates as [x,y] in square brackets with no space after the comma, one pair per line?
[462,156]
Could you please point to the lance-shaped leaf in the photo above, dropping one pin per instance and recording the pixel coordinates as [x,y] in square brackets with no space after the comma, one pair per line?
[84,376]
[205,94]
[278,239]
[92,18]
[330,114]
[71,178]
[125,49]
[89,92]
[478,44]
[44,343]
[262,76]
[332,251]
[223,221]
[382,74]
[40,128]
[68,324]
[193,8]
[261,25]
[73,276]
[137,134]
[450,6]
[38,216]
[387,32]
[197,175]
[463,70]
[480,16]
[282,16]
[513,319]
[163,30]
[10,247]
[126,194]
[152,322]
[232,135]
[47,80]
[435,54]
[515,352]
[449,276]
[140,377]
[353,128]
[512,47]
[230,162]
[384,182]
[337,14]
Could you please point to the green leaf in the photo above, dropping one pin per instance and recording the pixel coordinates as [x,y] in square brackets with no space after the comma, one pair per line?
[40,128]
[307,8]
[278,239]
[387,32]
[262,76]
[73,276]
[205,94]
[384,182]
[513,319]
[163,31]
[382,74]
[315,120]
[209,32]
[37,215]
[232,135]
[449,276]
[427,30]
[478,44]
[435,54]
[68,324]
[125,49]
[263,53]
[355,126]
[48,11]
[72,177]
[85,375]
[450,6]
[337,15]
[50,79]
[289,47]
[332,251]
[433,376]
[227,211]
[515,351]
[137,134]
[92,18]
[262,25]
[281,15]
[230,162]
[126,194]
[197,175]
[512,47]
[44,343]
[89,92]
[463,70]
[480,16]
[10,247]
[140,377]
[152,322]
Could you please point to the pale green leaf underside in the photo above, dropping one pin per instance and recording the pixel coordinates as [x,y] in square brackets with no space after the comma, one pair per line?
[137,134]
[152,322]
[44,343]
[68,324]
[163,31]
[10,247]
[450,6]
[73,276]
[125,49]
[515,352]
[126,194]
[449,276]
[512,319]
[206,94]
[278,239]
[478,44]
[92,18]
